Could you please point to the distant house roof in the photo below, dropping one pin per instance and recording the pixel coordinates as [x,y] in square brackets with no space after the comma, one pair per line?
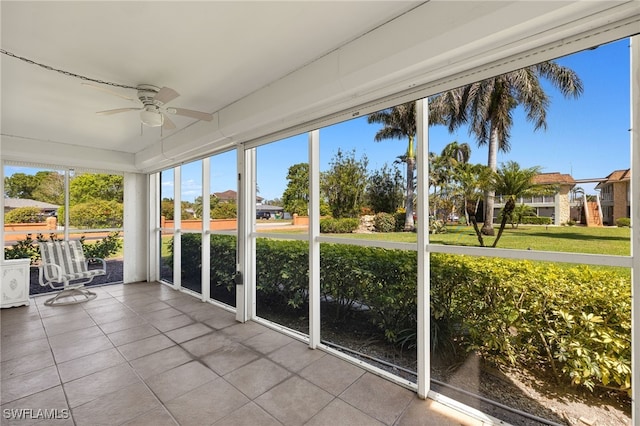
[616,176]
[231,195]
[15,203]
[553,178]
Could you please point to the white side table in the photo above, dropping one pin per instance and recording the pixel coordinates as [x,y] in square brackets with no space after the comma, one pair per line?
[14,288]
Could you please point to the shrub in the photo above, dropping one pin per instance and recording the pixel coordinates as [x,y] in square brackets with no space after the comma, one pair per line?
[536,220]
[24,215]
[96,214]
[400,220]
[28,248]
[384,222]
[102,248]
[623,222]
[338,226]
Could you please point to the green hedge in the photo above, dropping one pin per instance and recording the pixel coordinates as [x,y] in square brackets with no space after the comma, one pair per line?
[575,322]
[338,226]
[536,220]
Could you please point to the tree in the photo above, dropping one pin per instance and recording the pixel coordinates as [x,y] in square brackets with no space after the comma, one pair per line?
[442,169]
[519,211]
[385,190]
[487,107]
[295,198]
[344,184]
[96,186]
[400,123]
[472,181]
[20,185]
[50,189]
[512,182]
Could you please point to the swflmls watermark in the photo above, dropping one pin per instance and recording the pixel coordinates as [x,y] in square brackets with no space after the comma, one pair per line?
[35,414]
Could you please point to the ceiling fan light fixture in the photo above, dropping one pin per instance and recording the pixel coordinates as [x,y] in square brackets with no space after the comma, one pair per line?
[151,118]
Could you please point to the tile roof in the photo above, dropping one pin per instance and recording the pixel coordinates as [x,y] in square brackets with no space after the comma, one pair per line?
[553,178]
[14,203]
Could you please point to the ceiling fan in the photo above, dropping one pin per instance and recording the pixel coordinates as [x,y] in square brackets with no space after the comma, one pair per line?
[153,110]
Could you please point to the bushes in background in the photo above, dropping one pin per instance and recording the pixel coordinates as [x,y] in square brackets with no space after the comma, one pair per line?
[28,248]
[338,226]
[574,322]
[623,222]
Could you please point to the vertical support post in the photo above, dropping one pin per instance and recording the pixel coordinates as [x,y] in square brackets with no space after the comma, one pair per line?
[635,226]
[245,267]
[67,177]
[424,285]
[205,290]
[154,232]
[2,202]
[177,217]
[314,245]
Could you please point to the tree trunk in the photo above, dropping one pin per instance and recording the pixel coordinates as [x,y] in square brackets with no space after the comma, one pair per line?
[506,212]
[470,210]
[487,227]
[409,224]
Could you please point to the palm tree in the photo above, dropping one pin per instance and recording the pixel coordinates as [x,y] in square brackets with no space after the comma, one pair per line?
[487,107]
[472,180]
[442,169]
[512,182]
[399,123]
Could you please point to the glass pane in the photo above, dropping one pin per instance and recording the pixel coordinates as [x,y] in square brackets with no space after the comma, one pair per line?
[224,219]
[547,339]
[282,282]
[167,224]
[96,200]
[368,305]
[283,186]
[575,168]
[166,256]
[366,176]
[190,261]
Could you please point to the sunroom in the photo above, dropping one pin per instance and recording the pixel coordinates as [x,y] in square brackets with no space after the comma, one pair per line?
[197,98]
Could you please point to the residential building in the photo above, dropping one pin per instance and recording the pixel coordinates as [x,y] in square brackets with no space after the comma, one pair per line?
[615,196]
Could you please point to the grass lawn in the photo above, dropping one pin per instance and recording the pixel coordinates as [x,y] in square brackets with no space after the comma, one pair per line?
[576,239]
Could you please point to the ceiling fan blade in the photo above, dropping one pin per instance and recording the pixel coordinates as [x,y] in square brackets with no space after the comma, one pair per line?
[109,91]
[198,115]
[166,95]
[167,124]
[117,110]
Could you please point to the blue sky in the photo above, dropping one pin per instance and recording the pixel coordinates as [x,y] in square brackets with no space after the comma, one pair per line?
[587,137]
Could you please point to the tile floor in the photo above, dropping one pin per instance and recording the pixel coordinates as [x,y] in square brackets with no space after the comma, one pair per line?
[145,354]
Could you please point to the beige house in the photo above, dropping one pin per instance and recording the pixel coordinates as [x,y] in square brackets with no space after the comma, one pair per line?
[615,196]
[557,205]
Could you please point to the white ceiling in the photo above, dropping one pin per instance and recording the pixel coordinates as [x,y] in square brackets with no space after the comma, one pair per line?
[258,66]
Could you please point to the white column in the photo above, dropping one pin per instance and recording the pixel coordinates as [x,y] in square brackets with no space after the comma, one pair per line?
[136,220]
[153,230]
[246,292]
[314,245]
[424,285]
[177,224]
[635,226]
[206,231]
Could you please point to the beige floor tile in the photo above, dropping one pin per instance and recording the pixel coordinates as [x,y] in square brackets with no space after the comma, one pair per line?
[332,374]
[122,324]
[268,341]
[68,322]
[8,352]
[230,357]
[188,332]
[117,407]
[28,384]
[51,399]
[340,413]
[71,337]
[94,386]
[114,315]
[156,417]
[378,397]
[294,401]
[129,335]
[206,344]
[257,377]
[243,331]
[17,333]
[180,380]
[250,415]
[81,348]
[89,364]
[295,356]
[161,314]
[26,364]
[158,362]
[144,347]
[171,323]
[221,320]
[206,404]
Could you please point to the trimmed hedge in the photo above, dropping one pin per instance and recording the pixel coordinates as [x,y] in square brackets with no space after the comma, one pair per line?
[575,322]
[338,226]
[536,220]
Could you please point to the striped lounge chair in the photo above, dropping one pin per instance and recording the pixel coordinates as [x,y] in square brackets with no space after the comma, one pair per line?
[65,268]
